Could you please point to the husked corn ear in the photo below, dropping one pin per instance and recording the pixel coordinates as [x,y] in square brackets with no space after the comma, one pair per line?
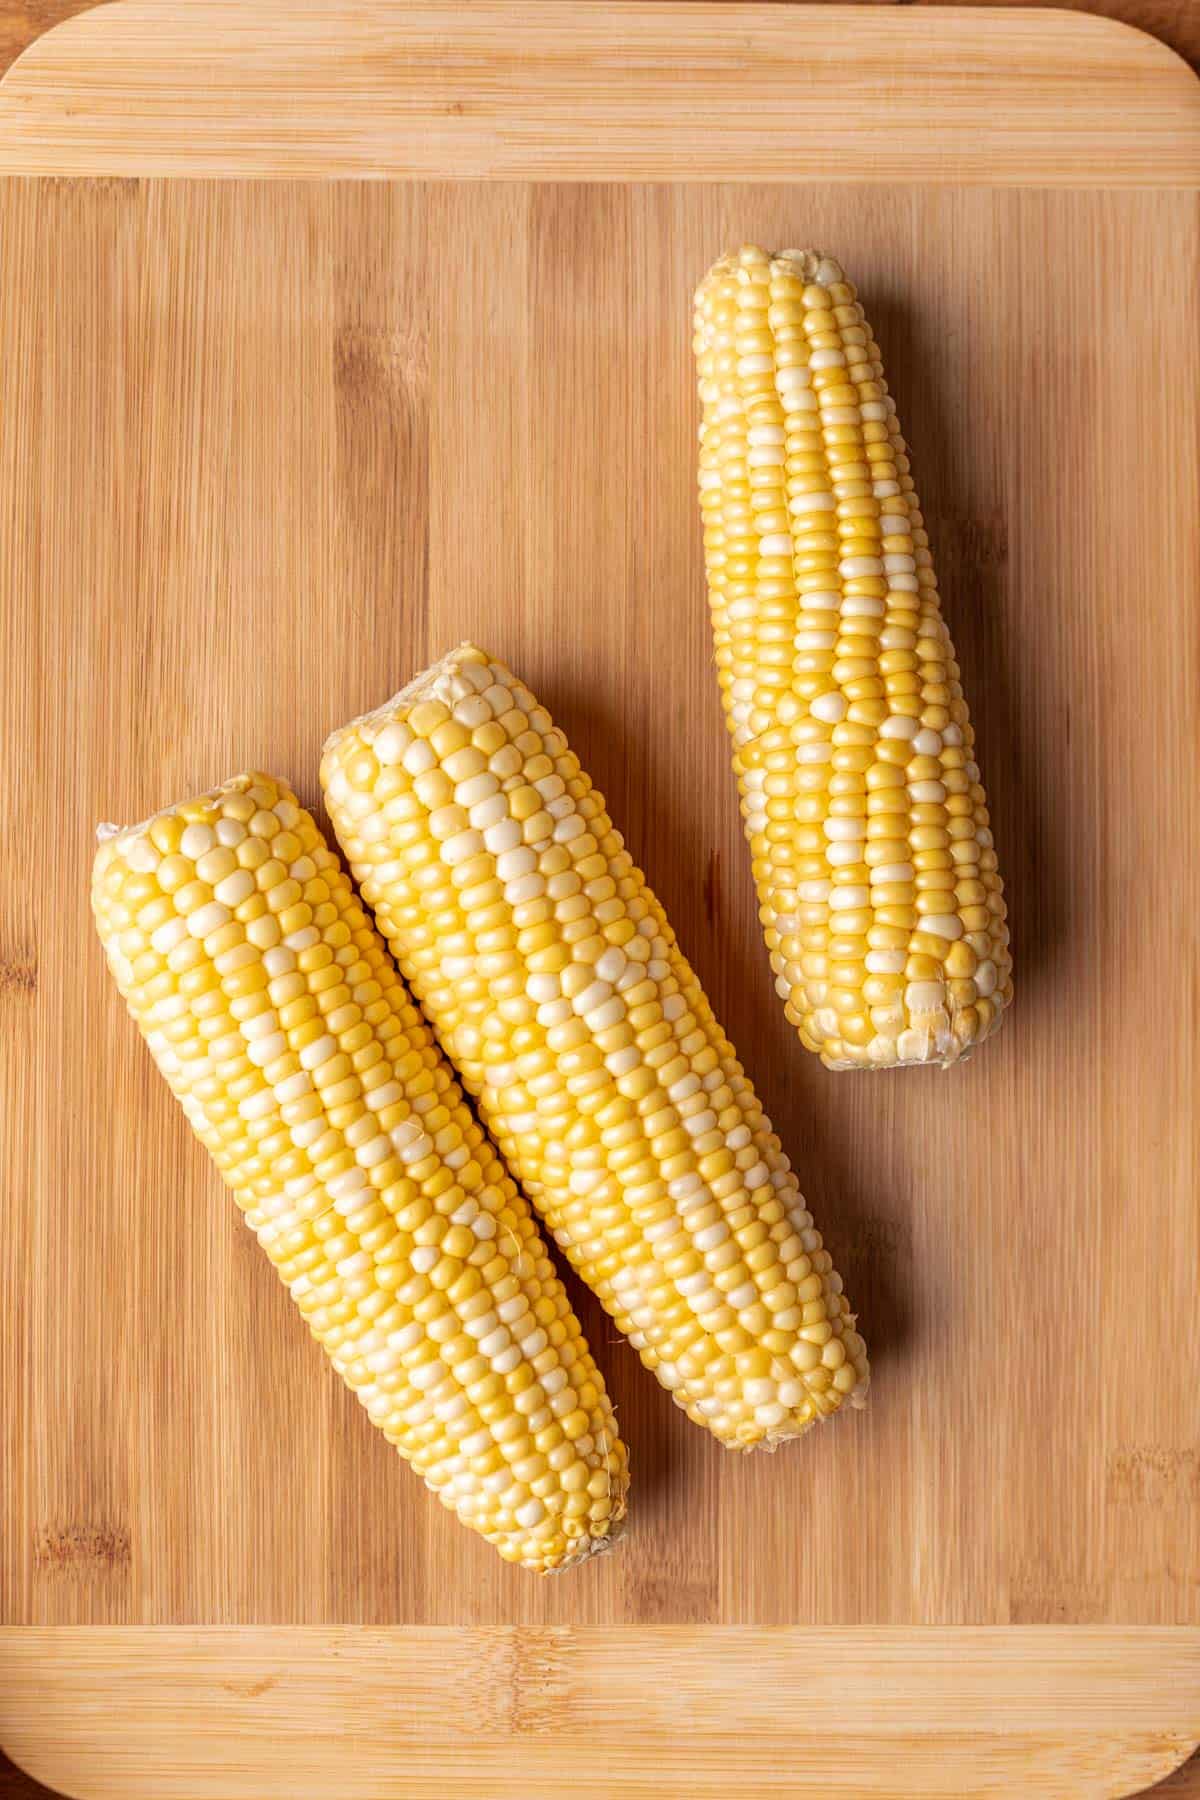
[275,1013]
[868,825]
[553,979]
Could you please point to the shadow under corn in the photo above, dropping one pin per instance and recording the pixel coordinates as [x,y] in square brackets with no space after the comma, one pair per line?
[970,540]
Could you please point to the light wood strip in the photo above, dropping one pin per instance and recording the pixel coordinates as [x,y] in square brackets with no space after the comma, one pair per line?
[511,1715]
[614,90]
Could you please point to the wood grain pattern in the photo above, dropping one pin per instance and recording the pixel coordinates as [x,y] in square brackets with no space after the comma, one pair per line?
[1175,23]
[615,90]
[511,1715]
[244,495]
[264,449]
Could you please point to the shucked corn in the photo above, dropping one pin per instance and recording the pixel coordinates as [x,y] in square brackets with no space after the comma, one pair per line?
[554,982]
[276,1015]
[868,827]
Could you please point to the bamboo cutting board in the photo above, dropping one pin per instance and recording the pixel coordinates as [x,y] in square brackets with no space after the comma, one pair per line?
[270,442]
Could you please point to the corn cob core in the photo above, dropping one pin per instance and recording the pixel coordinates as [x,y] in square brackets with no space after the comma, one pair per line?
[868,827]
[553,979]
[275,1013]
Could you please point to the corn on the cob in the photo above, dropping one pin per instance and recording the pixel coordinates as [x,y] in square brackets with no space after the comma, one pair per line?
[553,980]
[275,1013]
[868,826]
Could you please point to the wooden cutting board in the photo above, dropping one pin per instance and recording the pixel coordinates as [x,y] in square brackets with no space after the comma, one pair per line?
[269,442]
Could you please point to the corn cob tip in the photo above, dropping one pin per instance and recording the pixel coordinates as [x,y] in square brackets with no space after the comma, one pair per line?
[423,685]
[750,261]
[113,839]
[592,1547]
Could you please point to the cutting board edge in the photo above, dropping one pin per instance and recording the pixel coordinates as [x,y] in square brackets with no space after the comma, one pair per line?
[58,117]
[962,1685]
